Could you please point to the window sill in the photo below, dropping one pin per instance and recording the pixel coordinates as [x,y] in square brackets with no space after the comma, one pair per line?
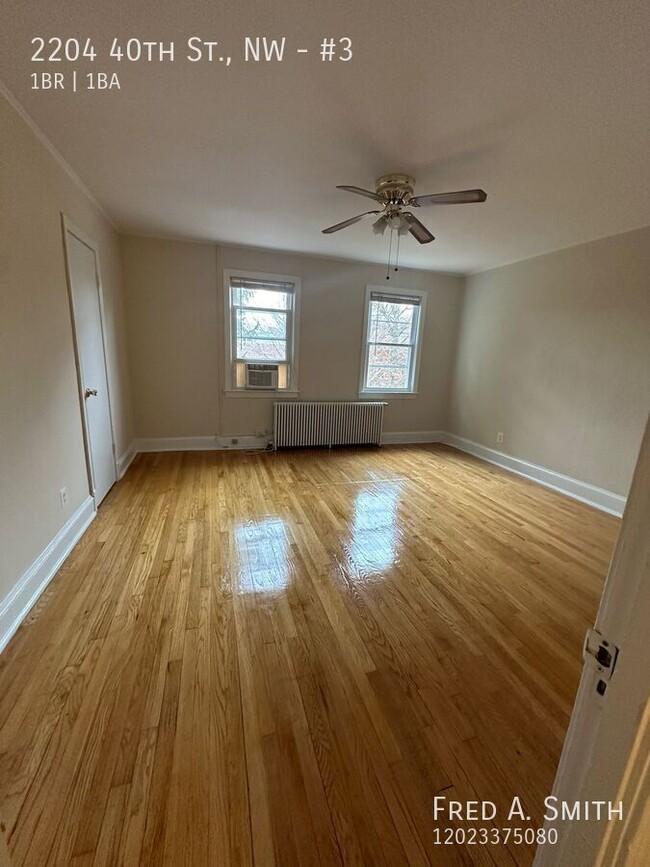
[387,395]
[257,393]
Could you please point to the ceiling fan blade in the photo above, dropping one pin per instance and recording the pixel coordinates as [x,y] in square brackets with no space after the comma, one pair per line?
[347,223]
[462,197]
[419,231]
[362,192]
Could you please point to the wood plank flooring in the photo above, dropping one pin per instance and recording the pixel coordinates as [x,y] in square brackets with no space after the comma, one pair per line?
[279,659]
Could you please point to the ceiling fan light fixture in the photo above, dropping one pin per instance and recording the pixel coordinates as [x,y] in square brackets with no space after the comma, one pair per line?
[398,224]
[395,193]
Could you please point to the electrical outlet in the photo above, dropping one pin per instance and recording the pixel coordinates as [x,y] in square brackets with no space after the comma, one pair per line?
[234,441]
[500,437]
[63,497]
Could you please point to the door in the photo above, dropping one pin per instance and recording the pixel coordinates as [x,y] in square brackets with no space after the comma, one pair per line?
[87,322]
[606,755]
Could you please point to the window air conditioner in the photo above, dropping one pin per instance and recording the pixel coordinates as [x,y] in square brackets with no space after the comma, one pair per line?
[262,376]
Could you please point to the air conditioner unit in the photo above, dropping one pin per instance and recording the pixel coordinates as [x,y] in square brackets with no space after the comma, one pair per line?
[262,376]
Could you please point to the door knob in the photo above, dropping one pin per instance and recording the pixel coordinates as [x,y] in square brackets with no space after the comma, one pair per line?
[90,392]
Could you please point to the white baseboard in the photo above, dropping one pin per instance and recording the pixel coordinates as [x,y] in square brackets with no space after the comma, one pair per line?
[405,437]
[15,607]
[214,443]
[600,498]
[125,460]
[199,444]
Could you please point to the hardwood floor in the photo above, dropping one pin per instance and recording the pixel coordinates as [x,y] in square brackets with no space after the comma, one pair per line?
[282,658]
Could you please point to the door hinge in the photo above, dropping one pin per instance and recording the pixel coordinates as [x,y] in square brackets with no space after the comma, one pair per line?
[604,653]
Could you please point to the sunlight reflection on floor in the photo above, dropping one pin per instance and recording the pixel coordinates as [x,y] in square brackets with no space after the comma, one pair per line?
[263,555]
[374,542]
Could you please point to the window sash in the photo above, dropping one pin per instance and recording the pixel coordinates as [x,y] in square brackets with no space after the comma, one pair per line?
[407,369]
[241,338]
[415,302]
[236,341]
[286,378]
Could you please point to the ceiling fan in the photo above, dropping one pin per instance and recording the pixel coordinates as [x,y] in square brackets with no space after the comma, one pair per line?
[395,195]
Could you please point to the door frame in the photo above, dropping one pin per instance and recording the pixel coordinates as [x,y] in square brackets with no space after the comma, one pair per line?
[68,227]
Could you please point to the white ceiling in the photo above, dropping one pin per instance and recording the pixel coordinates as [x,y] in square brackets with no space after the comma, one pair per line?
[543,104]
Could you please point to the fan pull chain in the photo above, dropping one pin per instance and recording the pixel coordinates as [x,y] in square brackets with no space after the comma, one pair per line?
[390,247]
[397,254]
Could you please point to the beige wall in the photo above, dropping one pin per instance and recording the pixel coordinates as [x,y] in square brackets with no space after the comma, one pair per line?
[41,446]
[175,321]
[171,302]
[555,352]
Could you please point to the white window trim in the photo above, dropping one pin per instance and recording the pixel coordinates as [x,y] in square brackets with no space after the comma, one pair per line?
[229,386]
[392,392]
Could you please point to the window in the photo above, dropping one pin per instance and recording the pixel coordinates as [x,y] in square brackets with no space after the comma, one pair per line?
[261,335]
[392,340]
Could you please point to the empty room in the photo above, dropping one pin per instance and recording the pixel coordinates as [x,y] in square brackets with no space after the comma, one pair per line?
[324,460]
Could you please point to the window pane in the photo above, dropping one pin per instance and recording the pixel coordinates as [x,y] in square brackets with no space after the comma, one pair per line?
[390,310]
[388,366]
[261,336]
[384,331]
[256,324]
[387,377]
[391,323]
[268,299]
[389,356]
[261,350]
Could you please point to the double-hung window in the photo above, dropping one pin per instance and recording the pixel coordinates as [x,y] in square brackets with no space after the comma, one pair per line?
[261,331]
[392,336]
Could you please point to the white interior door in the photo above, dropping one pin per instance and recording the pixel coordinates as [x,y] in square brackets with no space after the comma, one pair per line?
[85,298]
[606,754]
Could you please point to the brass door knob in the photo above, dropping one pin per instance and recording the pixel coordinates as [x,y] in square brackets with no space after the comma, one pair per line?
[90,392]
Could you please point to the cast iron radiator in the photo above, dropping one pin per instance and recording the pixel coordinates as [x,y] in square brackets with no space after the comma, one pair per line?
[327,423]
